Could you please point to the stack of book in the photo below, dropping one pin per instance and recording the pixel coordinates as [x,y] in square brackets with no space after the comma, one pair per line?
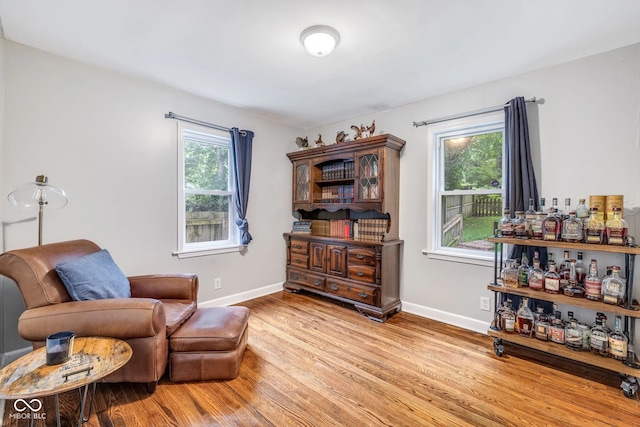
[372,229]
[301,227]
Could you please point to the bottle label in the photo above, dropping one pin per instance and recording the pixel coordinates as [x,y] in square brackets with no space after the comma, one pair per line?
[536,281]
[594,235]
[598,342]
[552,284]
[616,236]
[618,348]
[523,278]
[550,229]
[592,288]
[556,334]
[509,324]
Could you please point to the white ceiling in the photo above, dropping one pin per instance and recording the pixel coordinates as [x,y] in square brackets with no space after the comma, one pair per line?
[247,53]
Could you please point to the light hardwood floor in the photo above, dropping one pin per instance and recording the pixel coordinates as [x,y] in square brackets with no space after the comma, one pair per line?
[313,362]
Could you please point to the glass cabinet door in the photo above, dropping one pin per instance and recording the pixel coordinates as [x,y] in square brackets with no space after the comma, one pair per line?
[302,188]
[369,183]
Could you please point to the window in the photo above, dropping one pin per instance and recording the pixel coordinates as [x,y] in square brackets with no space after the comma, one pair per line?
[206,208]
[467,188]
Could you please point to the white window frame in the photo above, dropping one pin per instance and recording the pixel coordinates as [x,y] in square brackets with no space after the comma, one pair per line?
[187,250]
[489,122]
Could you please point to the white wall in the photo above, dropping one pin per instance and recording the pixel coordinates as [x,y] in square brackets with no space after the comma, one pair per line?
[103,138]
[586,137]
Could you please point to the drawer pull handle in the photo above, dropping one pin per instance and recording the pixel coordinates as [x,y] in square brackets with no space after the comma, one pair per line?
[363,295]
[316,282]
[334,287]
[298,246]
[294,277]
[360,274]
[360,256]
[299,261]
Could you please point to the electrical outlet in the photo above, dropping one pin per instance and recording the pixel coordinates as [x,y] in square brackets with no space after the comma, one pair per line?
[485,304]
[217,283]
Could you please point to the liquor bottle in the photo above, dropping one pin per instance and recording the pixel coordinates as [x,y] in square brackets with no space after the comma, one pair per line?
[572,229]
[520,226]
[537,226]
[506,224]
[552,279]
[508,319]
[599,341]
[572,288]
[563,270]
[603,317]
[556,327]
[542,328]
[613,287]
[618,341]
[582,213]
[581,271]
[573,335]
[509,274]
[593,283]
[524,317]
[594,230]
[552,225]
[536,276]
[523,271]
[529,217]
[616,229]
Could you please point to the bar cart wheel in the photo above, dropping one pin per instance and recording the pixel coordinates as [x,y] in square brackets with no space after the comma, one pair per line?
[499,348]
[629,386]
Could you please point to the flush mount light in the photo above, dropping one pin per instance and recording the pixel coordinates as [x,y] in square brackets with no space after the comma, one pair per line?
[319,40]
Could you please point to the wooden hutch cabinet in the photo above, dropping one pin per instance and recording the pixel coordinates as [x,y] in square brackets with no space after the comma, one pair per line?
[354,183]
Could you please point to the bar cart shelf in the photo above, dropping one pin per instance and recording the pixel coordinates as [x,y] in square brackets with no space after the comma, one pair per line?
[629,371]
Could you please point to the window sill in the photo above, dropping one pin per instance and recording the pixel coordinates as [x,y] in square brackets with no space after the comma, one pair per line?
[190,253]
[461,258]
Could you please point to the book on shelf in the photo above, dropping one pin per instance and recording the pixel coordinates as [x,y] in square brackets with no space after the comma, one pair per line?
[372,229]
[301,227]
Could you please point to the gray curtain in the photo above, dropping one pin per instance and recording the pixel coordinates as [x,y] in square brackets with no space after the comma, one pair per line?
[241,144]
[521,180]
[520,184]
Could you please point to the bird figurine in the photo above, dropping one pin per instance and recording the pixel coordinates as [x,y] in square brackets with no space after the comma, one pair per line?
[358,131]
[369,130]
[302,143]
[319,141]
[341,136]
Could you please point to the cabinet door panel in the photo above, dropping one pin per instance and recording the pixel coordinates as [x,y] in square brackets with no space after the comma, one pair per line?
[337,264]
[317,257]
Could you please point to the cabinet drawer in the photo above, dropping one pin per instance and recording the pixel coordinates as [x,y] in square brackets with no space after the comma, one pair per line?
[359,256]
[299,260]
[306,279]
[362,273]
[363,293]
[299,247]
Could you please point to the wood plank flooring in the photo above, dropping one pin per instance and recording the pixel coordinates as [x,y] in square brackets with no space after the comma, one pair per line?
[313,362]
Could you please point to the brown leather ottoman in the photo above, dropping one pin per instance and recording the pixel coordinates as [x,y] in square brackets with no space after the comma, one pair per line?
[209,345]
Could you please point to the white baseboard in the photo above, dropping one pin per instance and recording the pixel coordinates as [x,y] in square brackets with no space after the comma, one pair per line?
[242,296]
[446,317]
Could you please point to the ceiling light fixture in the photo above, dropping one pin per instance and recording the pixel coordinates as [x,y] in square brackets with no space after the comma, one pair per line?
[319,40]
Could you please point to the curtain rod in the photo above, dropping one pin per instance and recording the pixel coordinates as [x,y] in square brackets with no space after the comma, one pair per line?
[467,114]
[171,115]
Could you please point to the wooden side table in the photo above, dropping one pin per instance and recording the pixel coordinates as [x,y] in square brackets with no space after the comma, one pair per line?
[30,377]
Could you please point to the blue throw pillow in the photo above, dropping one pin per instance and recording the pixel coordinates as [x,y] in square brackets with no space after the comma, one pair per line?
[94,276]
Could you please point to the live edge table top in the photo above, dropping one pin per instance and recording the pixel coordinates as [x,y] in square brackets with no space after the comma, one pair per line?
[93,358]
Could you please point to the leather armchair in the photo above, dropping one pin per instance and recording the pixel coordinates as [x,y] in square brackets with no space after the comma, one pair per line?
[159,304]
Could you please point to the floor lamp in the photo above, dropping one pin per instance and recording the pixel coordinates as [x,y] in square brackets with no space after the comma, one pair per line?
[39,193]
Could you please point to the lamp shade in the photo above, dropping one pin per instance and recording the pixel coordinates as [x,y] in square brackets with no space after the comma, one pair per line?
[40,192]
[319,40]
